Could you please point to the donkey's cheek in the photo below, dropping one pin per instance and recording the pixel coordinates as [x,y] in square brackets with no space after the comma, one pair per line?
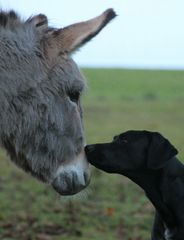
[72,177]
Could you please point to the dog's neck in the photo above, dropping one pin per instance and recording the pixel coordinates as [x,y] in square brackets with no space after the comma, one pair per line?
[174,168]
[152,190]
[169,234]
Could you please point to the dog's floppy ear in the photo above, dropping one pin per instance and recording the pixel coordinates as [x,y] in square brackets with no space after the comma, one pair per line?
[160,151]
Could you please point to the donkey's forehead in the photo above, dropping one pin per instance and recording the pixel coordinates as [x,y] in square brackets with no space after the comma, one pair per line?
[68,75]
[75,80]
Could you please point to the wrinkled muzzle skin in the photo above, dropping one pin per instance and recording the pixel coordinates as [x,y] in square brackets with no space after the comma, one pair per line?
[40,112]
[72,177]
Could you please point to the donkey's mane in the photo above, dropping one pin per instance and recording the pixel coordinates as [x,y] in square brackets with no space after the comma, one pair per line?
[9,19]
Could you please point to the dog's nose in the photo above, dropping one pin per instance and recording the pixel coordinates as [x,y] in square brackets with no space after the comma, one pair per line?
[89,149]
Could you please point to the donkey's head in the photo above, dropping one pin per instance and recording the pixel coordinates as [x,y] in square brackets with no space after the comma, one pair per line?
[40,87]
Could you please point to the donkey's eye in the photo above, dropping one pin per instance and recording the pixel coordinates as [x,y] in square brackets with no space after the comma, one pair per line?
[74,96]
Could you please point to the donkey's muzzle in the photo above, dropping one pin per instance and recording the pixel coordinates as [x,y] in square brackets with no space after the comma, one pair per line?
[70,184]
[73,177]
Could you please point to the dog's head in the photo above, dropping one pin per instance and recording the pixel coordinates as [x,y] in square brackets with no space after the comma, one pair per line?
[131,150]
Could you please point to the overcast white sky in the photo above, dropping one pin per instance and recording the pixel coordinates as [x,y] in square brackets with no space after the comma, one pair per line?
[146,33]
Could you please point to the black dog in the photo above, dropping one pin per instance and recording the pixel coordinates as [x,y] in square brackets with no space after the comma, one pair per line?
[148,159]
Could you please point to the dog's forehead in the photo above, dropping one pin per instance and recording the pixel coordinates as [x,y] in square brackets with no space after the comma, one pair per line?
[130,136]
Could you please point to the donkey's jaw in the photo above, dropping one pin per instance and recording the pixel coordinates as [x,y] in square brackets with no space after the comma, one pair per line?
[72,177]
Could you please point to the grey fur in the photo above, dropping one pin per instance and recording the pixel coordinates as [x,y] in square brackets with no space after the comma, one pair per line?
[40,114]
[39,124]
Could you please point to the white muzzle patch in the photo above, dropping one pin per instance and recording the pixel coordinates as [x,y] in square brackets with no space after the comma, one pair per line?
[73,176]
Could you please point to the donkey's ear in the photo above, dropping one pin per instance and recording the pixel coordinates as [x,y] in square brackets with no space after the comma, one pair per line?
[72,37]
[40,21]
[160,151]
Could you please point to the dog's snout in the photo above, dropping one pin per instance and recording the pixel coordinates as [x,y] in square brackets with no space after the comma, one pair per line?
[89,149]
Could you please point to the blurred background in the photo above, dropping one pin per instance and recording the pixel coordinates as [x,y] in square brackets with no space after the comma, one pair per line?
[134,70]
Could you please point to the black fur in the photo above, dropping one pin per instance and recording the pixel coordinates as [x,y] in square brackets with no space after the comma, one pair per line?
[148,159]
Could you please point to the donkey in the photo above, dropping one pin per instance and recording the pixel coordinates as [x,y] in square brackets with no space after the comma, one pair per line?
[40,86]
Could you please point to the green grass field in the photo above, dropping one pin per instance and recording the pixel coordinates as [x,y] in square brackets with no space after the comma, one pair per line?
[113,207]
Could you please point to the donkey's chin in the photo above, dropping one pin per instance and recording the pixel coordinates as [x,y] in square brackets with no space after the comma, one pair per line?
[72,177]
